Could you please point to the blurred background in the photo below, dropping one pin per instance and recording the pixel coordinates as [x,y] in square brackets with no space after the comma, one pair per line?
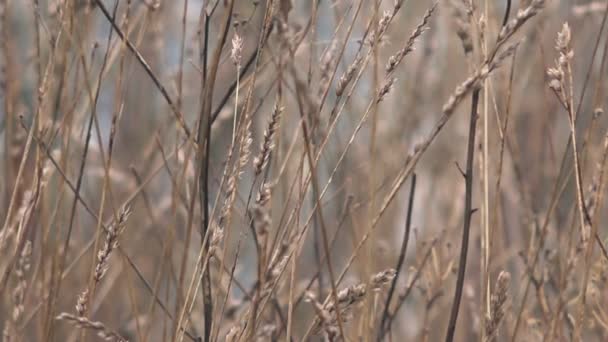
[80,110]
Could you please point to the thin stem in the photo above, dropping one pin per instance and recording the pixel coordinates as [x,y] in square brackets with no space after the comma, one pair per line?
[402,254]
[468,213]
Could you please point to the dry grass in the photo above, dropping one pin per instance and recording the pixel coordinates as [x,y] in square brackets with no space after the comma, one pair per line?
[236,170]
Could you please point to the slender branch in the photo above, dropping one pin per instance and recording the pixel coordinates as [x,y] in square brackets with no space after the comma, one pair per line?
[140,59]
[402,253]
[402,297]
[468,213]
[204,181]
[505,19]
[204,141]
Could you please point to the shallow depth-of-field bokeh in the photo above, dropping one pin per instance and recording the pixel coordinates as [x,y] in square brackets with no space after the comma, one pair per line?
[291,170]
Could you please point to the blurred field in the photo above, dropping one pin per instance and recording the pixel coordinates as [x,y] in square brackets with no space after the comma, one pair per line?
[278,170]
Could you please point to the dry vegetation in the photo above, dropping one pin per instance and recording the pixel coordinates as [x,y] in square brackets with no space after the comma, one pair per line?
[277,170]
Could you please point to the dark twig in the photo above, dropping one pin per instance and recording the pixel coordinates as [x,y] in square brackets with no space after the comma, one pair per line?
[468,213]
[402,297]
[204,141]
[402,253]
[140,59]
[505,19]
[204,179]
